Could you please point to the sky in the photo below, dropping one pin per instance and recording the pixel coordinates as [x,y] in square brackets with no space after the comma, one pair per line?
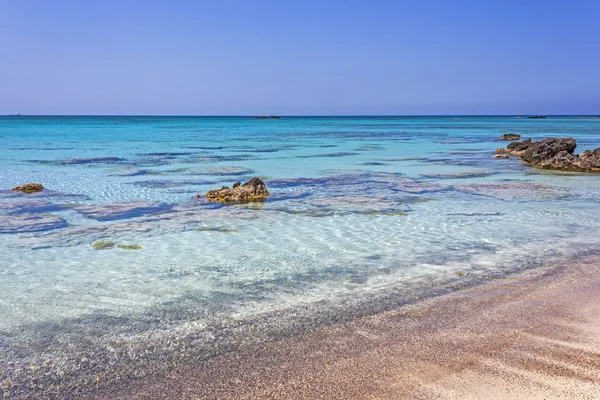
[304,57]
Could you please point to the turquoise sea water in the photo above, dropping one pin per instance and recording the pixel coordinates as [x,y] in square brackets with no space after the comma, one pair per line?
[365,214]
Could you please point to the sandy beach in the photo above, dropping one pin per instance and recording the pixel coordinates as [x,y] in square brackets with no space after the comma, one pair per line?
[531,336]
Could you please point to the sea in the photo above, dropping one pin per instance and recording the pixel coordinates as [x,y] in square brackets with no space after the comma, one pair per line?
[121,269]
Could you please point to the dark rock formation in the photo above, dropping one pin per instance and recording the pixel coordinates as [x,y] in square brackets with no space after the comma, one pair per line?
[510,136]
[515,148]
[29,188]
[537,152]
[588,161]
[96,160]
[123,210]
[267,117]
[30,223]
[253,190]
[554,153]
[537,117]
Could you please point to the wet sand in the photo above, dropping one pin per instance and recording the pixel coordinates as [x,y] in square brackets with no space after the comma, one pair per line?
[531,336]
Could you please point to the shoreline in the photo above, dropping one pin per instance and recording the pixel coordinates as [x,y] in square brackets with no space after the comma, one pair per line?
[532,335]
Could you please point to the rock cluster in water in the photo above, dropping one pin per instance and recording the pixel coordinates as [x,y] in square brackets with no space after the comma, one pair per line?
[510,137]
[29,188]
[253,190]
[554,153]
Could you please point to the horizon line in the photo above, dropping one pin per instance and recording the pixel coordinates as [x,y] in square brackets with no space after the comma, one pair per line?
[297,115]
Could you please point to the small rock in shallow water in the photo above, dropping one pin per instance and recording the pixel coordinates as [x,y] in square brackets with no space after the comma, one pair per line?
[209,229]
[510,136]
[253,190]
[129,246]
[103,245]
[29,188]
[500,156]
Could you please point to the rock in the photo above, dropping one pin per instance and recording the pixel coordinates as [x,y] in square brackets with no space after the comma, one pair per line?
[500,156]
[537,152]
[30,223]
[103,245]
[514,148]
[517,148]
[588,161]
[510,137]
[29,188]
[253,190]
[537,117]
[95,160]
[554,153]
[129,246]
[123,210]
[267,117]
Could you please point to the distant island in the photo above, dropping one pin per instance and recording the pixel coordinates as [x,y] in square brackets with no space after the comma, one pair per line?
[266,117]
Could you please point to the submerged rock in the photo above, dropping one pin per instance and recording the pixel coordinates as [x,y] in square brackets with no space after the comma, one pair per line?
[253,190]
[517,191]
[29,188]
[510,136]
[103,245]
[30,223]
[129,246]
[94,160]
[500,156]
[123,210]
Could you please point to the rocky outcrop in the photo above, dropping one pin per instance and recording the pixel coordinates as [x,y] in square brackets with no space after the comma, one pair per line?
[515,148]
[537,152]
[267,117]
[253,190]
[500,156]
[588,161]
[537,117]
[29,188]
[554,153]
[510,137]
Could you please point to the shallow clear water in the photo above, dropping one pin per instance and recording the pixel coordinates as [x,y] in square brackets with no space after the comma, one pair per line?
[365,214]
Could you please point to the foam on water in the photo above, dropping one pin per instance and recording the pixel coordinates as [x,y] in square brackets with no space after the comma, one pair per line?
[365,214]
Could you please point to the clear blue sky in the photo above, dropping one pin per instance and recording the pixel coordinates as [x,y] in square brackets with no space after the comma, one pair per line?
[225,57]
